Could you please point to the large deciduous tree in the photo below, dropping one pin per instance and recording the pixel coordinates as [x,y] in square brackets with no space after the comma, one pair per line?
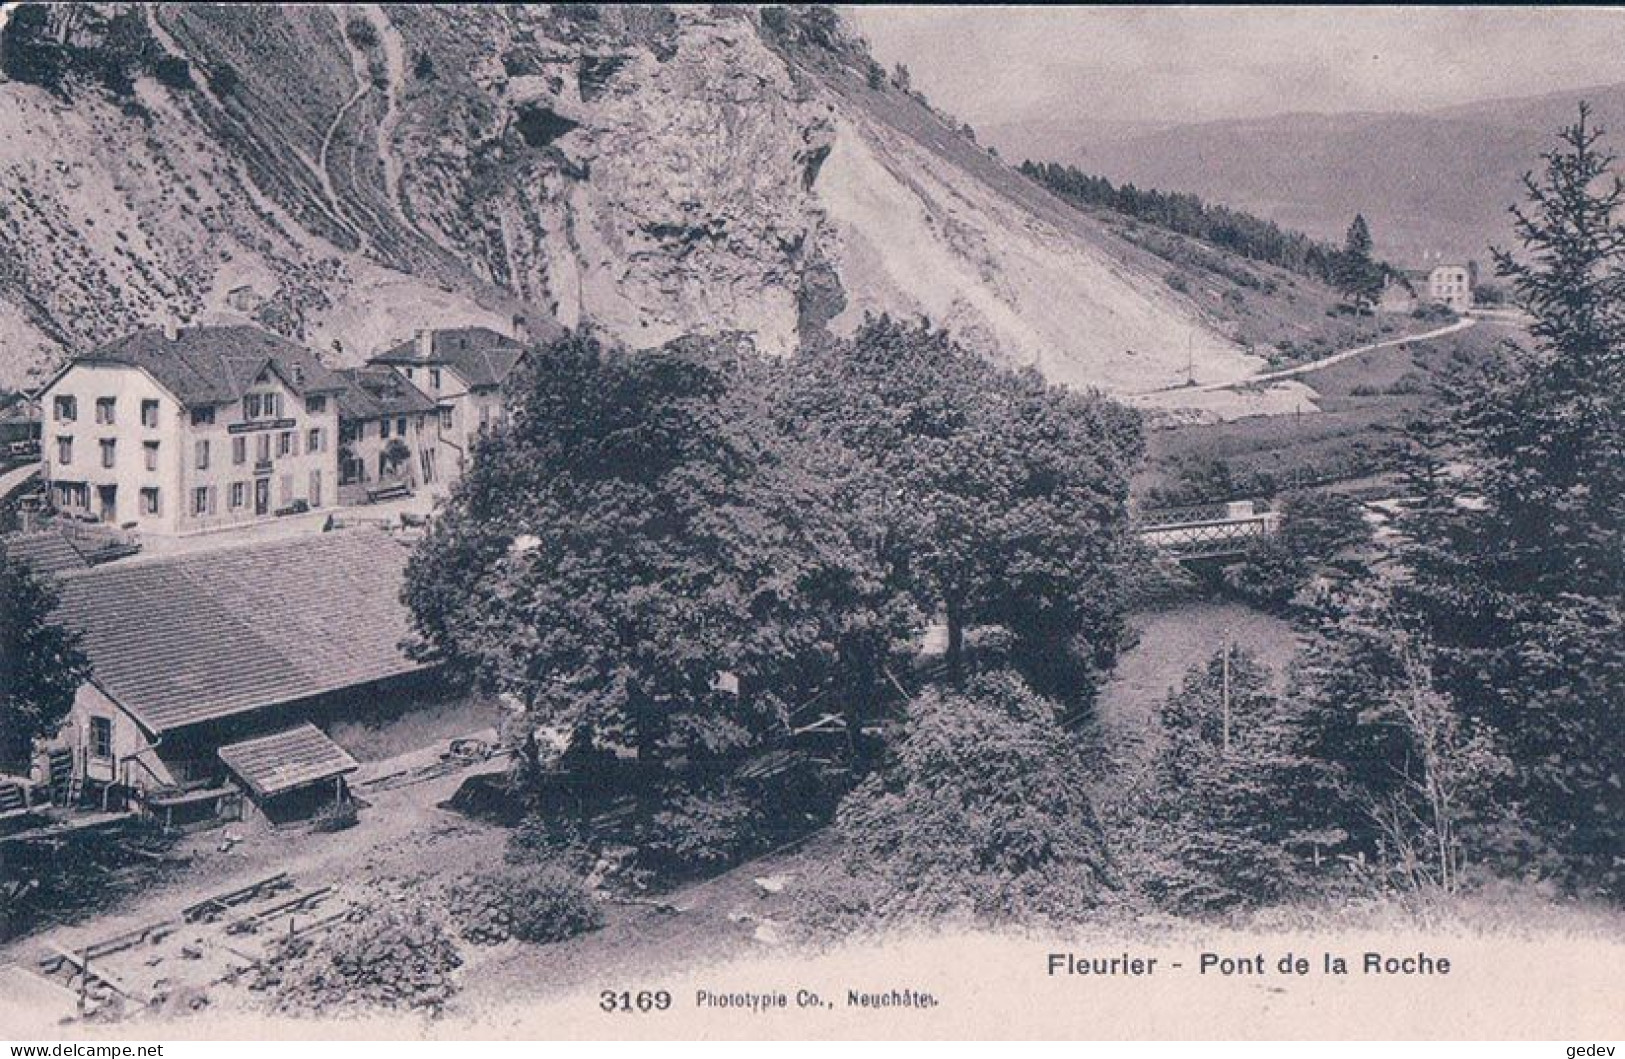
[645,557]
[1003,498]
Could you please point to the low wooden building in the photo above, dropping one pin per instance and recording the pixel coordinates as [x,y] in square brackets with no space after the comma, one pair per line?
[209,669]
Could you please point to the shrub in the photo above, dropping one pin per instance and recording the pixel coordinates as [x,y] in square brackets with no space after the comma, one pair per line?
[1317,529]
[698,831]
[983,813]
[337,816]
[549,839]
[394,958]
[361,33]
[540,904]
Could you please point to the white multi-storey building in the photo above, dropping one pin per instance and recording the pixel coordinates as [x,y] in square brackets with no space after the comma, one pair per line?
[179,431]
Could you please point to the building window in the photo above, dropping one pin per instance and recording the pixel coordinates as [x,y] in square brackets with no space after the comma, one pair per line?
[314,440]
[149,501]
[316,405]
[200,500]
[64,451]
[203,417]
[72,494]
[383,427]
[101,738]
[109,451]
[251,406]
[434,378]
[239,450]
[67,409]
[409,371]
[400,426]
[150,451]
[203,455]
[262,448]
[284,443]
[105,410]
[239,494]
[446,418]
[149,413]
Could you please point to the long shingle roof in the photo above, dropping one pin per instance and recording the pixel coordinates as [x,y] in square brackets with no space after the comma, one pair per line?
[186,639]
[215,365]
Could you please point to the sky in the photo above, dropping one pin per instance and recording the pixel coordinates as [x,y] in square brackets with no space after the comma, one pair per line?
[989,65]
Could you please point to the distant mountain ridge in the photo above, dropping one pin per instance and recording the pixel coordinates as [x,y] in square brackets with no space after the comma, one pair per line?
[1435,183]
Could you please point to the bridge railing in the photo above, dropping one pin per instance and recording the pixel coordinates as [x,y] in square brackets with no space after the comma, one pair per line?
[1203,537]
[1222,511]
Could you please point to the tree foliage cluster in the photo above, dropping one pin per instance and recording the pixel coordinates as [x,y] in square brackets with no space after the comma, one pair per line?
[41,664]
[1228,816]
[1321,534]
[1356,275]
[1520,590]
[686,554]
[982,814]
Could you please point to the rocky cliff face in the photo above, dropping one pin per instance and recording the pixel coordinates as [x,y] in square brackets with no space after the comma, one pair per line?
[345,174]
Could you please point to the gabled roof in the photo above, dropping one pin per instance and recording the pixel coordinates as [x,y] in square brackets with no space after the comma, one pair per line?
[180,640]
[482,357]
[376,393]
[298,757]
[215,365]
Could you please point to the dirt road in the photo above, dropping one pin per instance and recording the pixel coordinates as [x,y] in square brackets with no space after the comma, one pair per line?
[1337,358]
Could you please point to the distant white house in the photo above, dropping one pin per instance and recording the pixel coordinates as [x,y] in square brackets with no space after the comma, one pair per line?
[1450,285]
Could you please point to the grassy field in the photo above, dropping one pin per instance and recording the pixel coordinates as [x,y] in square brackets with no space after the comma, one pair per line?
[1365,404]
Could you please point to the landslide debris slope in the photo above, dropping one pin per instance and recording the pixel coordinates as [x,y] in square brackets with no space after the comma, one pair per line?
[344,174]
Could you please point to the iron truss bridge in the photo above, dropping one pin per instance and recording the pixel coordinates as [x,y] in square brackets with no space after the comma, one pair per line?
[1216,531]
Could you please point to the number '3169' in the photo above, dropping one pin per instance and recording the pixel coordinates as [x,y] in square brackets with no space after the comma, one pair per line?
[641,1002]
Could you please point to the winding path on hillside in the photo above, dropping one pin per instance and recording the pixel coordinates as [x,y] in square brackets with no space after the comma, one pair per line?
[1337,358]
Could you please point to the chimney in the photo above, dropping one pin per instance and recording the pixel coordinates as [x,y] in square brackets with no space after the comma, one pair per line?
[425,340]
[521,327]
[172,328]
